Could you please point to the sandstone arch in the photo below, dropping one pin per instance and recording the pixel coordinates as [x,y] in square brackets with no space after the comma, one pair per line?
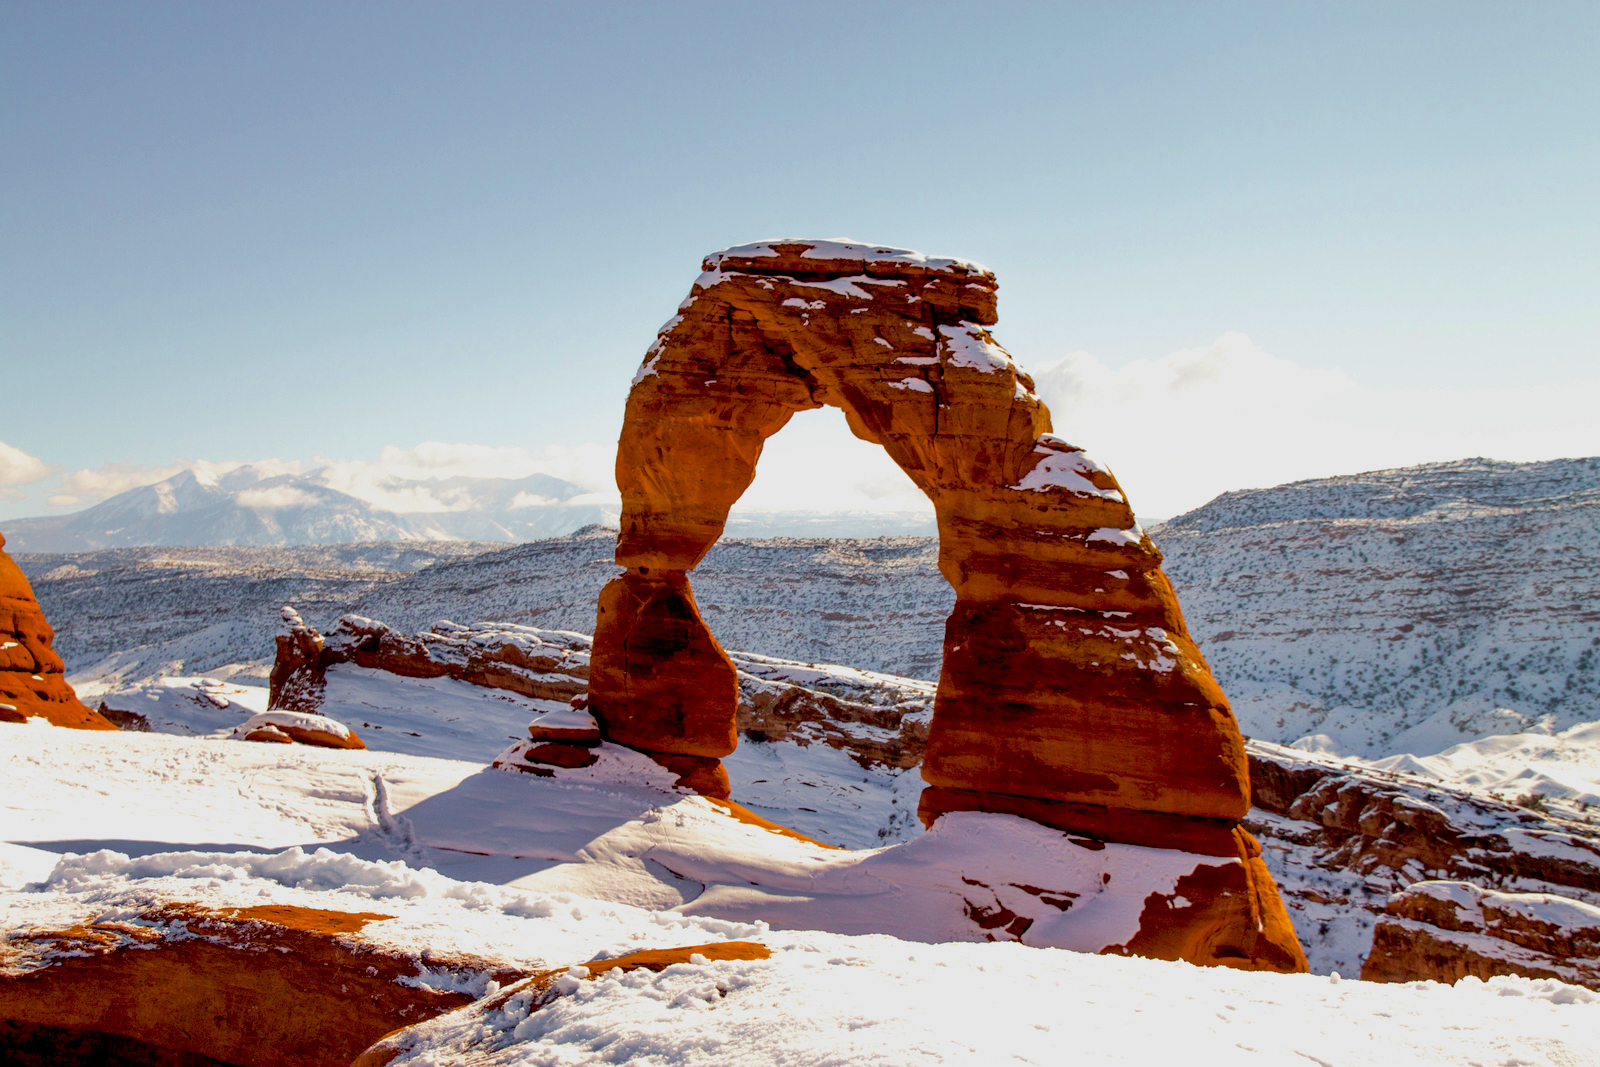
[1070,691]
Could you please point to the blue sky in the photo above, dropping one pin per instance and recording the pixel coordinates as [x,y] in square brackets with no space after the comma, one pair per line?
[248,231]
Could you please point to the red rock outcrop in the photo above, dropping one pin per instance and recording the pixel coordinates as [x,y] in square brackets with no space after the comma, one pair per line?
[1070,685]
[33,680]
[298,727]
[1350,843]
[1445,931]
[545,664]
[272,985]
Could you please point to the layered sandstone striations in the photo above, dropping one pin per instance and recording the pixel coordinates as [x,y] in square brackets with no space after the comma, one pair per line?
[1070,691]
[543,664]
[33,681]
[1349,844]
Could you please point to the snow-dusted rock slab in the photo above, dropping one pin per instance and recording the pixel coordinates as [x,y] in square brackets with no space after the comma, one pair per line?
[299,727]
[1446,931]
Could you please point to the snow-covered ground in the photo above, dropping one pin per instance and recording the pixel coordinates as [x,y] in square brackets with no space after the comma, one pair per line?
[617,831]
[552,873]
[819,790]
[1564,765]
[1433,625]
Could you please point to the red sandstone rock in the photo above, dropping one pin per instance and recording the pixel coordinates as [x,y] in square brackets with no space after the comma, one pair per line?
[555,754]
[229,984]
[647,622]
[33,680]
[573,726]
[306,728]
[1201,920]
[269,733]
[1445,931]
[545,664]
[554,665]
[1069,676]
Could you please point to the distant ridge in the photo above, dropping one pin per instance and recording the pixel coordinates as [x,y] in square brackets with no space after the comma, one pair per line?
[1459,486]
[1400,610]
[242,508]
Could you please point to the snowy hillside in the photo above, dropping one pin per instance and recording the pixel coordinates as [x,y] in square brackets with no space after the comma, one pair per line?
[1404,610]
[878,604]
[201,609]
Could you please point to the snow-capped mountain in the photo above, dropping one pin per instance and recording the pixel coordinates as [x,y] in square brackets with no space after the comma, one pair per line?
[243,507]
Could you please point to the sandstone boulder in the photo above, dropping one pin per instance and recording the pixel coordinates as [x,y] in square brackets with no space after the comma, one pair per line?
[33,680]
[268,733]
[1069,681]
[305,728]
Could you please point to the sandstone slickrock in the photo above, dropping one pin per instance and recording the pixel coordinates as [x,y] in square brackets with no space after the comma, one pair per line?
[270,985]
[1069,680]
[1446,931]
[33,681]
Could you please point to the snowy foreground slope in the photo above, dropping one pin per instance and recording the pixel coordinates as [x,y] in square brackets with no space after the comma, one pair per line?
[833,752]
[236,824]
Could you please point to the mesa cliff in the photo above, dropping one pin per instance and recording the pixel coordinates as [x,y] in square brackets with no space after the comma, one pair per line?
[33,680]
[1070,692]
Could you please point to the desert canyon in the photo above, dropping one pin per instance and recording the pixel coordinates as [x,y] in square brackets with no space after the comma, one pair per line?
[1086,792]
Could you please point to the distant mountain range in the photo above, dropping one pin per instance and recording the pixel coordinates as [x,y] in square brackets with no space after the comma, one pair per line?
[246,508]
[243,508]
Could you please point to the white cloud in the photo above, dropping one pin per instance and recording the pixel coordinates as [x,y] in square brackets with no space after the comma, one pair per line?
[588,465]
[112,478]
[375,481]
[1179,430]
[276,496]
[19,468]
